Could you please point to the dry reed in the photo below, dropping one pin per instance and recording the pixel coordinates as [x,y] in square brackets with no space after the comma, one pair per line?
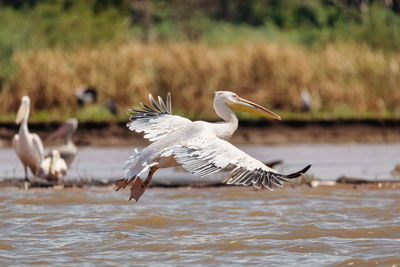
[271,74]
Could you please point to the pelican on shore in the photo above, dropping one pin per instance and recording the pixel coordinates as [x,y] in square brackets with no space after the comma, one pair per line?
[201,148]
[67,151]
[53,167]
[27,146]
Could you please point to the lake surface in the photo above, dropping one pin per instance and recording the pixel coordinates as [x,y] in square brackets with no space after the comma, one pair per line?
[329,161]
[232,226]
[235,226]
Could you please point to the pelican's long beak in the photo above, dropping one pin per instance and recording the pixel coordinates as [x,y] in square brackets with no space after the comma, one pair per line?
[51,165]
[21,113]
[250,107]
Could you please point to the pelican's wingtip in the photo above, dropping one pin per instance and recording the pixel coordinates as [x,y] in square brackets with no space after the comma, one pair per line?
[299,173]
[306,168]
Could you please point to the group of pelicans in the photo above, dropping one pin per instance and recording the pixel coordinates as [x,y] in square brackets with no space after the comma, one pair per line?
[199,147]
[51,165]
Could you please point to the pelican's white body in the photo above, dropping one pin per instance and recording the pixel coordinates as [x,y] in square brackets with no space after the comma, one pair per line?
[199,147]
[176,129]
[27,146]
[53,167]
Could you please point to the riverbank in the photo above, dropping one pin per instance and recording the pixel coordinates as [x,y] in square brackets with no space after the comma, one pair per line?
[340,79]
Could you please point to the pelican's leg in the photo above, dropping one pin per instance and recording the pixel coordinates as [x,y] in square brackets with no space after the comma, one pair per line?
[26,173]
[36,174]
[139,187]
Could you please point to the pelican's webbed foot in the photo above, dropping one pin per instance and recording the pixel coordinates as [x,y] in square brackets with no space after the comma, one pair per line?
[121,183]
[137,189]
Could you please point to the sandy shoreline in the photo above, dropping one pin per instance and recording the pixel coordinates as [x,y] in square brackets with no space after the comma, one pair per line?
[341,182]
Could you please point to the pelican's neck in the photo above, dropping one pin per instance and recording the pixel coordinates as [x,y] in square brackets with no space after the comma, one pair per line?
[68,138]
[23,128]
[225,129]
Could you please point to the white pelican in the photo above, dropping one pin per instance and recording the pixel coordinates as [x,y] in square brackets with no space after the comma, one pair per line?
[27,146]
[53,167]
[67,151]
[199,147]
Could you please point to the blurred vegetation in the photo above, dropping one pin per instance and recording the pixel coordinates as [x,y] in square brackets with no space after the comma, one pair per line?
[345,53]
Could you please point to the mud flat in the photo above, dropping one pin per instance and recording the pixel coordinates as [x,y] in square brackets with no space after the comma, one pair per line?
[349,183]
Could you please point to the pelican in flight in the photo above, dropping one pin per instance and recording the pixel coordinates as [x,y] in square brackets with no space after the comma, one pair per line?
[53,167]
[201,148]
[27,146]
[67,151]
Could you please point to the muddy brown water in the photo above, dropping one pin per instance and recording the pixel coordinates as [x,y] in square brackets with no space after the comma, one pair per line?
[232,226]
[236,226]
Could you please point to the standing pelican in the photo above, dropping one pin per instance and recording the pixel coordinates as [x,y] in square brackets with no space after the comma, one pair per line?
[199,147]
[27,146]
[53,167]
[68,150]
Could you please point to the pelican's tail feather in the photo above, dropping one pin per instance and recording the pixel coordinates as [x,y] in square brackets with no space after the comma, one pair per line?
[136,165]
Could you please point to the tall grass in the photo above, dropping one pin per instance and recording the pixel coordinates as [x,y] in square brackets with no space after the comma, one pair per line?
[340,77]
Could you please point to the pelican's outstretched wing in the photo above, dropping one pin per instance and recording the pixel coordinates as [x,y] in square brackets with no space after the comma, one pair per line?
[156,120]
[68,127]
[204,155]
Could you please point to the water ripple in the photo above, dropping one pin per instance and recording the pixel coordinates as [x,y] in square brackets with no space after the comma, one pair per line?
[216,226]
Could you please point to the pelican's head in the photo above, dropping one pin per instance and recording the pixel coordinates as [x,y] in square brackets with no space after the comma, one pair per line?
[23,109]
[73,122]
[237,103]
[55,154]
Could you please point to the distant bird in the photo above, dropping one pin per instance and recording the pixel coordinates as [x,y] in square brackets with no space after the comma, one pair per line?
[53,168]
[199,147]
[306,100]
[86,95]
[27,146]
[67,151]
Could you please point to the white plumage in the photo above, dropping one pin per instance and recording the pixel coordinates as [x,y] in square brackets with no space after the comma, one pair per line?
[27,146]
[199,147]
[53,167]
